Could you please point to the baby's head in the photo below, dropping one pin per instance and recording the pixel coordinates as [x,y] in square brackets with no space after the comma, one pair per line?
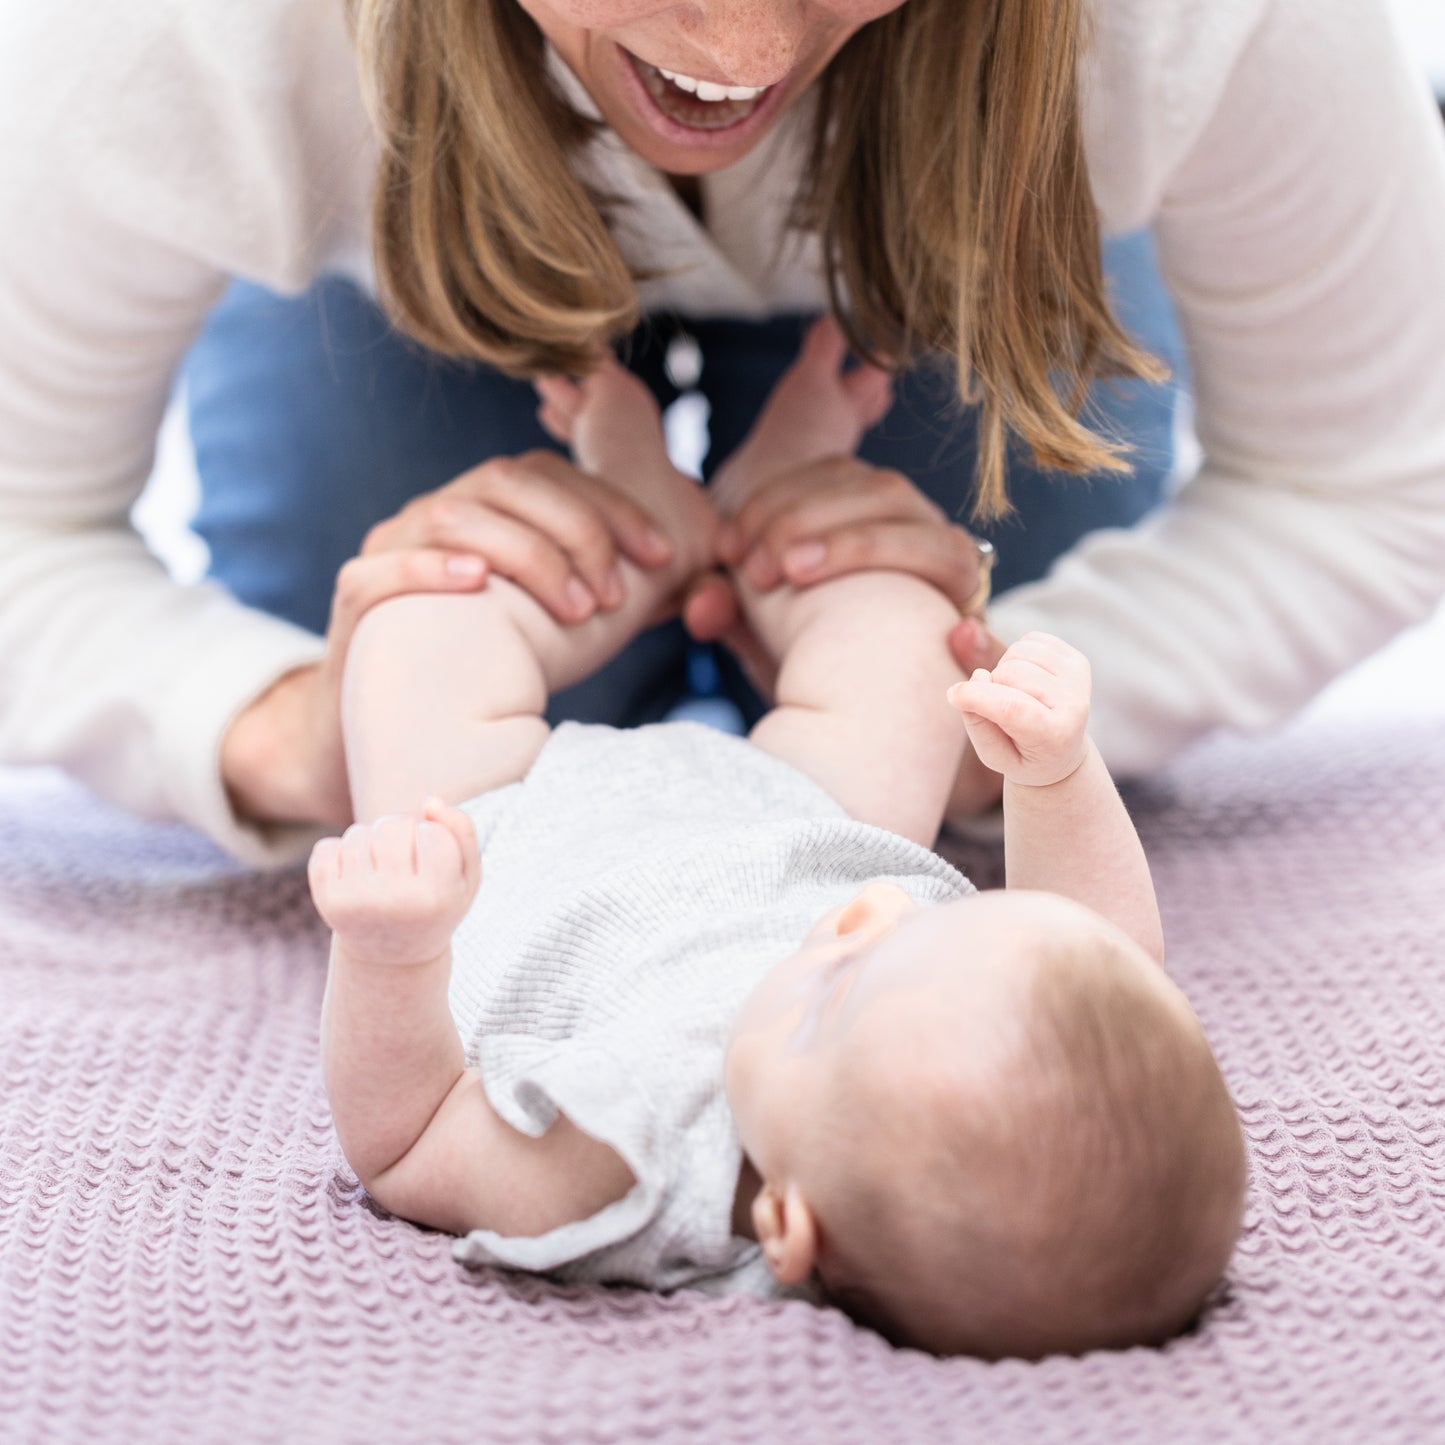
[993,1126]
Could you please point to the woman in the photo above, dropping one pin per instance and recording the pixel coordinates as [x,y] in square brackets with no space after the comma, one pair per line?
[551,171]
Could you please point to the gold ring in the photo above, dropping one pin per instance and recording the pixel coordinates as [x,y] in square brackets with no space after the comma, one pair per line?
[978,599]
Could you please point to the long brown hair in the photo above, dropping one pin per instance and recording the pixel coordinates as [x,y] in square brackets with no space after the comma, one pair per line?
[948,185]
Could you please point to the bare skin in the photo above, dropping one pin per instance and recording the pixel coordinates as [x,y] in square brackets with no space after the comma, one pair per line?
[549,527]
[414,1121]
[734,42]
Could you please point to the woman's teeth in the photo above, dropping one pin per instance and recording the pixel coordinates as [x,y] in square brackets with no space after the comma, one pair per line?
[706,90]
[699,104]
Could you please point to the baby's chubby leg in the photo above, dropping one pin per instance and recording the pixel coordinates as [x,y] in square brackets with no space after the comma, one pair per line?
[444,694]
[863,662]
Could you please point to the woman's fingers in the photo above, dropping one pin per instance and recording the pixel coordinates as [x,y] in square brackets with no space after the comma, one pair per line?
[366,581]
[635,532]
[710,608]
[789,542]
[942,555]
[973,645]
[825,497]
[831,477]
[526,485]
[562,509]
[577,515]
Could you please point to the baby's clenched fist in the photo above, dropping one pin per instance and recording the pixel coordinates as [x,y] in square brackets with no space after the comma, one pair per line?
[393,891]
[1027,718]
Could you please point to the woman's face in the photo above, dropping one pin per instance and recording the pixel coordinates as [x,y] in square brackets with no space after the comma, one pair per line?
[765,52]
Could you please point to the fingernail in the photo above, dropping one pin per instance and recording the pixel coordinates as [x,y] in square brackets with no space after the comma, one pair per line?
[466,566]
[758,569]
[805,557]
[657,544]
[728,544]
[580,602]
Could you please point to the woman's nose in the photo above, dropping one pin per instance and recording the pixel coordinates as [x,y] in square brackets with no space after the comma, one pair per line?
[751,42]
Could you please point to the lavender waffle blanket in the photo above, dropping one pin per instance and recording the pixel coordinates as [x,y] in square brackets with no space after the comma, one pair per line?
[185,1257]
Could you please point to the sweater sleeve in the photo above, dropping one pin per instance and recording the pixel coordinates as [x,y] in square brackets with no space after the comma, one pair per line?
[1302,234]
[132,183]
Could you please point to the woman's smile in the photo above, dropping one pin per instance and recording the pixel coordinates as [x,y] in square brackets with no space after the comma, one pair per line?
[691,88]
[692,115]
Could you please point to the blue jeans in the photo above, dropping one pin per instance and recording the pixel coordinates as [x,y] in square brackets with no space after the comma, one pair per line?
[312,420]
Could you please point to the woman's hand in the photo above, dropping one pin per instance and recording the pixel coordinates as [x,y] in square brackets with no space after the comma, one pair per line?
[823,520]
[536,519]
[842,515]
[795,530]
[552,528]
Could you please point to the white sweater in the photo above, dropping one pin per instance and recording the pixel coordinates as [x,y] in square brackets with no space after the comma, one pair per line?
[1287,157]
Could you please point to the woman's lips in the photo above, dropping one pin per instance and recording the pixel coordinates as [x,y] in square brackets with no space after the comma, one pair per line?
[684,120]
[677,104]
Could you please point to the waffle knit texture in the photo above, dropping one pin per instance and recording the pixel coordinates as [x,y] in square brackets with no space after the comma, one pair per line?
[185,1257]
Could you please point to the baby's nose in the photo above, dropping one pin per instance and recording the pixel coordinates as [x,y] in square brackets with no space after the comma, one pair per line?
[880,904]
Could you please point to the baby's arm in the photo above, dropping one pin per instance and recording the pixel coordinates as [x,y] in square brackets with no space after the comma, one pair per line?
[1065,827]
[414,1122]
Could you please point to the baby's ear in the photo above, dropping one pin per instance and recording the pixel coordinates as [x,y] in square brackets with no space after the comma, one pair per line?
[787,1232]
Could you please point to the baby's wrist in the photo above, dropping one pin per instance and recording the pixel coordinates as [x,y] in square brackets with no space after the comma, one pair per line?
[361,957]
[1057,782]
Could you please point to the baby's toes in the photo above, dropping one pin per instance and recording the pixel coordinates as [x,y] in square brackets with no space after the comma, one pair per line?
[870,394]
[559,392]
[612,388]
[825,345]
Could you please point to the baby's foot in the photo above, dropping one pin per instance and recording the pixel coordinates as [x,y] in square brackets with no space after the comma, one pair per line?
[393,891]
[816,410]
[614,427]
[610,420]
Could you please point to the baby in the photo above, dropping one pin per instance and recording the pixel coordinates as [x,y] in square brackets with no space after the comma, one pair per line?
[669,1007]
